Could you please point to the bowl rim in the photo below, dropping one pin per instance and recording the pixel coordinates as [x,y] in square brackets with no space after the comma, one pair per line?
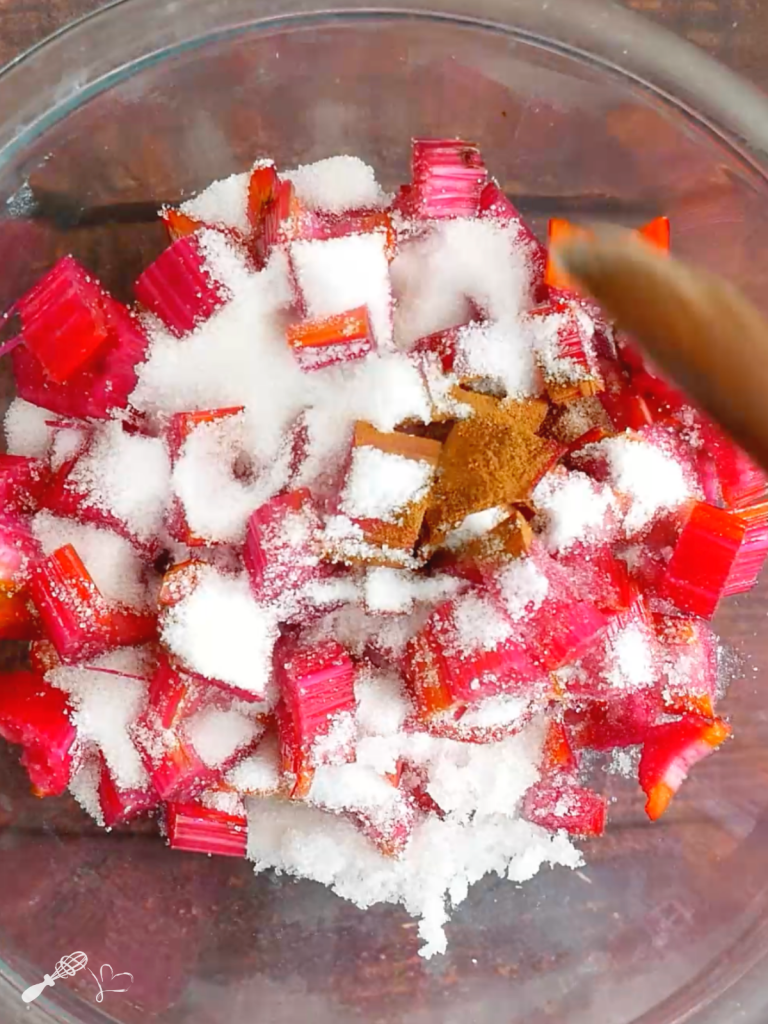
[672,69]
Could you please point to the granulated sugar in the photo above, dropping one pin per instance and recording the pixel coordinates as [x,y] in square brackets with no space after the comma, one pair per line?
[337,184]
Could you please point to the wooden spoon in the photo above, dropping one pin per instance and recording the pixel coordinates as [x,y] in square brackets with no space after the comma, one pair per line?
[698,329]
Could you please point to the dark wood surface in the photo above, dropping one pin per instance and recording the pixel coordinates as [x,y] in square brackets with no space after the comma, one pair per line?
[735,31]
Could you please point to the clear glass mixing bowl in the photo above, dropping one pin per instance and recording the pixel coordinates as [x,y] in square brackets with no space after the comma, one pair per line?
[581,109]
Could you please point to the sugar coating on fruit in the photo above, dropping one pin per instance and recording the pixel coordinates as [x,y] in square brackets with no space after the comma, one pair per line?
[26,429]
[574,507]
[395,591]
[113,562]
[479,624]
[382,485]
[105,707]
[652,479]
[217,734]
[128,476]
[523,588]
[223,204]
[222,633]
[630,660]
[439,280]
[339,274]
[84,786]
[337,184]
[496,354]
[258,774]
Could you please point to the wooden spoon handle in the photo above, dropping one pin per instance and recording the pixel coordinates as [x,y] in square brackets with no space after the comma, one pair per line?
[700,330]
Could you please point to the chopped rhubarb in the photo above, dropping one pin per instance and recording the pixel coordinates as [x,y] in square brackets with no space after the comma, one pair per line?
[18,619]
[179,582]
[623,720]
[558,756]
[713,554]
[263,187]
[742,482]
[63,319]
[173,696]
[363,222]
[317,685]
[495,205]
[37,716]
[442,344]
[119,806]
[178,288]
[753,551]
[182,424]
[98,388]
[199,829]
[688,665]
[567,363]
[564,806]
[180,774]
[283,545]
[448,665]
[448,178]
[23,482]
[43,656]
[179,224]
[77,619]
[669,753]
[18,551]
[657,232]
[325,341]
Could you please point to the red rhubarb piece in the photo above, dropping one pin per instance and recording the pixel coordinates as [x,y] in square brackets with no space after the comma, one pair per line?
[450,663]
[325,341]
[179,224]
[442,344]
[568,366]
[180,773]
[182,424]
[37,716]
[63,320]
[198,829]
[119,806]
[495,205]
[753,551]
[179,289]
[557,756]
[43,657]
[322,226]
[173,696]
[742,482]
[179,582]
[657,232]
[283,545]
[621,721]
[688,665]
[669,753]
[564,806]
[23,482]
[18,551]
[95,390]
[707,559]
[317,686]
[18,619]
[448,178]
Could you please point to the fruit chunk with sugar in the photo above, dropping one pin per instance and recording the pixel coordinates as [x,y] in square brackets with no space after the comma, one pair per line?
[63,319]
[563,805]
[688,665]
[98,387]
[318,697]
[341,338]
[178,287]
[37,716]
[383,498]
[466,651]
[119,806]
[23,482]
[448,178]
[283,545]
[77,619]
[669,753]
[198,829]
[719,552]
[563,335]
[495,205]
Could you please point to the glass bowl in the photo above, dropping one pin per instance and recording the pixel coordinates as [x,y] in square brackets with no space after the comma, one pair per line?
[580,109]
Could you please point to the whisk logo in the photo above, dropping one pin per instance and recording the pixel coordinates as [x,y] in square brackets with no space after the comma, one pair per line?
[68,966]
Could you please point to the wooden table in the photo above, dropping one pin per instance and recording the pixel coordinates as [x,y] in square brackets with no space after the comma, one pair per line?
[735,31]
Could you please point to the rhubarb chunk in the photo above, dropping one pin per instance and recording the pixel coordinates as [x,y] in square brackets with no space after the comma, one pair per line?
[448,178]
[688,665]
[495,205]
[37,716]
[283,545]
[119,806]
[325,341]
[564,351]
[317,686]
[559,805]
[669,753]
[23,483]
[63,319]
[199,829]
[178,288]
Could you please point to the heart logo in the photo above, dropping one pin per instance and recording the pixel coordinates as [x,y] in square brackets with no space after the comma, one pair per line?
[108,977]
